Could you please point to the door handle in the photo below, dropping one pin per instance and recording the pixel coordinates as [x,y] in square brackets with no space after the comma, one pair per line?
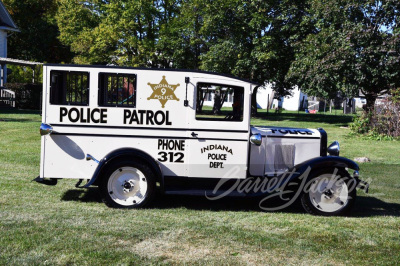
[194,135]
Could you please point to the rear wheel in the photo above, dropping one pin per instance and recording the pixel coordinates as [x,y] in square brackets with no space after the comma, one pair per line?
[127,184]
[330,193]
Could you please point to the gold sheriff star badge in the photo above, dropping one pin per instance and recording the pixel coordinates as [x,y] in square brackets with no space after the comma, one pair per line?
[163,92]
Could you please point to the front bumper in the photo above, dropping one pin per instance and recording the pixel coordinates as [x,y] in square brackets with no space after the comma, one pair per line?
[363,185]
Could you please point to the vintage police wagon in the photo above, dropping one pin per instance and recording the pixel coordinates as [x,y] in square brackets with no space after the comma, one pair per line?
[135,131]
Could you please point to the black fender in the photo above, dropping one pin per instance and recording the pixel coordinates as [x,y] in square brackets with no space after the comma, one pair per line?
[301,172]
[327,162]
[299,175]
[127,153]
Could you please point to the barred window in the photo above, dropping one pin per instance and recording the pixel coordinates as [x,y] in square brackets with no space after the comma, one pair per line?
[69,87]
[117,89]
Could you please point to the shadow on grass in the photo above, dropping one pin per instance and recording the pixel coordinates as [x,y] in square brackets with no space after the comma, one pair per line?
[19,111]
[202,203]
[17,120]
[364,207]
[82,195]
[371,206]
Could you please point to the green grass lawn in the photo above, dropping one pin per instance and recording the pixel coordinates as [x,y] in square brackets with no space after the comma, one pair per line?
[66,225]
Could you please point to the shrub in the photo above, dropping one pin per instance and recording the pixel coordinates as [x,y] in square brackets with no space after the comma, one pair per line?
[387,118]
[383,122]
[361,123]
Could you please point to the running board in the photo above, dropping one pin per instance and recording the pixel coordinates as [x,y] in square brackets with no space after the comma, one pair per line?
[208,193]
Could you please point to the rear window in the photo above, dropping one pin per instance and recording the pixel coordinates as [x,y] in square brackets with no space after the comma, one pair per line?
[117,89]
[69,87]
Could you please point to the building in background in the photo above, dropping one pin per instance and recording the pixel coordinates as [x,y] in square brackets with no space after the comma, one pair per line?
[209,98]
[7,25]
[296,101]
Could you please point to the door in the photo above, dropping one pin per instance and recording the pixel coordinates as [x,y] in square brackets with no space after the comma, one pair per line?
[219,129]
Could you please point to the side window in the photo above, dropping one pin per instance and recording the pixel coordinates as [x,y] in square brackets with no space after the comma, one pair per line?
[117,89]
[69,87]
[219,102]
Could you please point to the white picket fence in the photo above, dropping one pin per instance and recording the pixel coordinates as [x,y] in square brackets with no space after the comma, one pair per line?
[7,97]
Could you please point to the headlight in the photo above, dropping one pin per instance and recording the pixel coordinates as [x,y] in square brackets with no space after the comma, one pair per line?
[334,148]
[256,139]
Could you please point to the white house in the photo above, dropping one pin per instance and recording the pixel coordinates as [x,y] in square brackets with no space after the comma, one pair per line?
[209,96]
[6,25]
[297,100]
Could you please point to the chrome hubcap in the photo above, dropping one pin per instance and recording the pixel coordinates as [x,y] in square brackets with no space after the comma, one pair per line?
[127,186]
[329,193]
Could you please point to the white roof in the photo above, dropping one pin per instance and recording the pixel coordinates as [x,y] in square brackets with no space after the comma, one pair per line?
[4,60]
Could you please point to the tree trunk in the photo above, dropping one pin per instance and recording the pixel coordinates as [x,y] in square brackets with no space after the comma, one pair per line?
[371,98]
[271,99]
[217,102]
[254,102]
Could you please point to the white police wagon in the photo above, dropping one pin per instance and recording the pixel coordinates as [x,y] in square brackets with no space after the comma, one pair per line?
[135,131]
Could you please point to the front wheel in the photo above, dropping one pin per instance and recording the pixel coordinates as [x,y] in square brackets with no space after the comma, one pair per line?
[330,193]
[127,184]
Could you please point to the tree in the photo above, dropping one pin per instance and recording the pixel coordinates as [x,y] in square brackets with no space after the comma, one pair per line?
[181,40]
[38,36]
[120,32]
[247,38]
[250,39]
[355,46]
[279,26]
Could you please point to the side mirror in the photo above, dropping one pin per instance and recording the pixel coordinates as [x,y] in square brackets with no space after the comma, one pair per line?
[256,139]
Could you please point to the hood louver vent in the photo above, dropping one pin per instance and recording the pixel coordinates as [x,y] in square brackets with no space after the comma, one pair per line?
[284,157]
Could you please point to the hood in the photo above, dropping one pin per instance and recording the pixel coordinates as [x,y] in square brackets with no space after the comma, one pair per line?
[287,132]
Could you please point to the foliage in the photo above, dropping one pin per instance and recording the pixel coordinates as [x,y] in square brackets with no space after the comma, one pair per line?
[117,32]
[386,120]
[383,123]
[321,46]
[181,40]
[250,39]
[247,38]
[22,74]
[361,123]
[355,46]
[37,39]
